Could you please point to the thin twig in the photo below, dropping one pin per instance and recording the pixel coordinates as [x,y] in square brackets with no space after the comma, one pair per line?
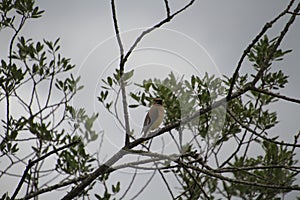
[168,10]
[125,150]
[294,100]
[249,168]
[166,183]
[122,81]
[260,135]
[32,163]
[156,26]
[129,185]
[216,175]
[278,42]
[116,27]
[267,26]
[54,187]
[144,187]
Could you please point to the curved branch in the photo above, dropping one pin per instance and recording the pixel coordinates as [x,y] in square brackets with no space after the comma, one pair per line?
[249,168]
[32,163]
[129,185]
[122,64]
[144,187]
[279,96]
[125,150]
[231,180]
[156,26]
[168,10]
[260,135]
[267,26]
[116,27]
[124,58]
[54,187]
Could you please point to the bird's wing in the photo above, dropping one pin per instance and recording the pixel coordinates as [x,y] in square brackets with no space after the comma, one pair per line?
[150,119]
[147,120]
[153,114]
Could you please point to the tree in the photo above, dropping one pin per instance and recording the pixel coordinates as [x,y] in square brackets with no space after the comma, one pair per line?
[46,135]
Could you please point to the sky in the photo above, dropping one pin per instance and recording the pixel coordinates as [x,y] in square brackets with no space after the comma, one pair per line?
[208,37]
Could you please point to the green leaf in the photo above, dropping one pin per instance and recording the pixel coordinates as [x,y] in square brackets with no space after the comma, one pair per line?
[133,105]
[128,75]
[109,81]
[135,97]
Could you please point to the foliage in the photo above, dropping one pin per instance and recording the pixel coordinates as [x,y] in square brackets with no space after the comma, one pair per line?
[36,87]
[183,98]
[205,116]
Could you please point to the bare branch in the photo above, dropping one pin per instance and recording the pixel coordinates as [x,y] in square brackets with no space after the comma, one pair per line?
[231,180]
[129,185]
[168,10]
[121,65]
[156,26]
[166,183]
[292,13]
[248,168]
[260,135]
[294,100]
[118,36]
[123,59]
[144,187]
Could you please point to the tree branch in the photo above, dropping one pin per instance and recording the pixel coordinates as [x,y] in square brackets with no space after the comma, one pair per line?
[116,27]
[168,10]
[156,26]
[121,65]
[267,26]
[144,187]
[125,150]
[278,42]
[279,96]
[123,59]
[54,187]
[248,168]
[231,180]
[32,163]
[260,135]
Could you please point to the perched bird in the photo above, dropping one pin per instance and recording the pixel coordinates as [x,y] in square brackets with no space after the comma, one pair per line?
[154,117]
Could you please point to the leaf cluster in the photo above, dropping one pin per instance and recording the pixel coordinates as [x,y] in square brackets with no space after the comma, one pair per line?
[11,10]
[42,117]
[275,157]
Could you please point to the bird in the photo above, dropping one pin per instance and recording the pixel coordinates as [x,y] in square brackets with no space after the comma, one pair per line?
[154,117]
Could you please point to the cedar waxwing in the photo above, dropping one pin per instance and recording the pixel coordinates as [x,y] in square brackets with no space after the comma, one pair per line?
[154,117]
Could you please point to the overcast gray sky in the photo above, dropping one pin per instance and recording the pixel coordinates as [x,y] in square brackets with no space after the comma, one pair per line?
[210,36]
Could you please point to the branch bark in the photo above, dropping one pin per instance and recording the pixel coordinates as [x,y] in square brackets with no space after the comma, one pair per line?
[106,167]
[32,163]
[121,68]
[126,149]
[279,96]
[124,58]
[267,26]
